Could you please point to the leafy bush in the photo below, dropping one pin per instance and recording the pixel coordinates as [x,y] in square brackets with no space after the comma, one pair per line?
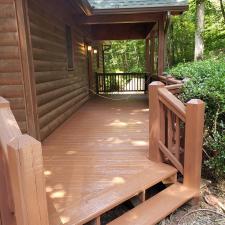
[207,82]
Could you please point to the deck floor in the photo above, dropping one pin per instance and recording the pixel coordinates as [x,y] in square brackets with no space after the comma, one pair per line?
[102,145]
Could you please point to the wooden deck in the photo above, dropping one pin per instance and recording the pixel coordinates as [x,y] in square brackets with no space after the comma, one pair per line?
[102,146]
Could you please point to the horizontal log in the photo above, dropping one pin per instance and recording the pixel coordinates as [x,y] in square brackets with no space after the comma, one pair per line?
[46,34]
[49,86]
[47,45]
[10,78]
[45,131]
[47,97]
[8,25]
[9,52]
[173,103]
[11,91]
[50,76]
[7,11]
[20,114]
[49,66]
[50,106]
[10,65]
[45,20]
[6,1]
[16,103]
[47,118]
[9,39]
[42,54]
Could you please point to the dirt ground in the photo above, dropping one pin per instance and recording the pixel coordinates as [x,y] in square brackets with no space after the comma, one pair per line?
[211,210]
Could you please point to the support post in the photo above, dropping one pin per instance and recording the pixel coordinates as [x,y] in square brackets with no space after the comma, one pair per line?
[27,68]
[193,143]
[27,179]
[154,121]
[147,55]
[161,46]
[152,54]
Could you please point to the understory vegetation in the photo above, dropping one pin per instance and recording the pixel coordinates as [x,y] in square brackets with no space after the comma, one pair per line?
[206,81]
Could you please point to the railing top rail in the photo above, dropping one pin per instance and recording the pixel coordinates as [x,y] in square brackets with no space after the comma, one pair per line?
[108,74]
[173,103]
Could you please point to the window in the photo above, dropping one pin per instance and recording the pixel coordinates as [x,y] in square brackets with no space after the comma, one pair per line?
[69,47]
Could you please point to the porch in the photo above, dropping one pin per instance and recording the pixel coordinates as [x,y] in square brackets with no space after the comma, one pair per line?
[98,159]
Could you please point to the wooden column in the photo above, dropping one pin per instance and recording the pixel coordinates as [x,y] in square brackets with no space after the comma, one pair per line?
[154,121]
[26,58]
[193,143]
[9,129]
[90,68]
[161,46]
[27,179]
[152,53]
[147,55]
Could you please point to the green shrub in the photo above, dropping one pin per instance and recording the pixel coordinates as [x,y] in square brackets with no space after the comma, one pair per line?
[207,82]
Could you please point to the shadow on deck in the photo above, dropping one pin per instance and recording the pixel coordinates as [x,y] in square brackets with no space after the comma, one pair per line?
[100,146]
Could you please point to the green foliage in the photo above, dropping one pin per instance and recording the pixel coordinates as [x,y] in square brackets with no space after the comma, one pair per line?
[181,40]
[125,56]
[207,82]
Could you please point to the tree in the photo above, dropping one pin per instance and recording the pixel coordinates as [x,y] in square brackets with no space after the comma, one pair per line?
[199,42]
[222,9]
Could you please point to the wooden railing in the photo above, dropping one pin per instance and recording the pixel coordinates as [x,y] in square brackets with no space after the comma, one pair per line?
[22,183]
[176,132]
[121,82]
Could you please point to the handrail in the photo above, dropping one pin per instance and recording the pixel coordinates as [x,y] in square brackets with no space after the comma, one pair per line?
[121,82]
[173,103]
[22,189]
[173,126]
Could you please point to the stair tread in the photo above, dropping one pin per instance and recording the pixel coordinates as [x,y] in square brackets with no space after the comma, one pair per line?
[158,207]
[108,199]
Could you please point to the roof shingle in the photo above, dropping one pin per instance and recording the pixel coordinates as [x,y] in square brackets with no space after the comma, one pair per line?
[113,4]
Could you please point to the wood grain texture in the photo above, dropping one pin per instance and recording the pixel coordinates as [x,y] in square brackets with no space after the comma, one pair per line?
[155,209]
[8,130]
[94,154]
[28,183]
[59,92]
[11,82]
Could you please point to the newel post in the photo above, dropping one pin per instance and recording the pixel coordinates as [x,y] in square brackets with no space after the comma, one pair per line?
[193,143]
[154,121]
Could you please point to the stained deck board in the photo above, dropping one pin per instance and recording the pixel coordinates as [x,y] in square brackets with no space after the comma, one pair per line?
[100,147]
[155,209]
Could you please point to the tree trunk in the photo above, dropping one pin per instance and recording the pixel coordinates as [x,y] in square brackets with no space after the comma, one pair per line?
[199,43]
[222,9]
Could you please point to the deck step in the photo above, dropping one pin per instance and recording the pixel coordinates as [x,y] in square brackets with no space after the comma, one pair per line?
[106,200]
[158,207]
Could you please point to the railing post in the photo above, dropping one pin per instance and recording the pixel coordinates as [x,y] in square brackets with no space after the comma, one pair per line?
[193,143]
[28,182]
[154,121]
[8,130]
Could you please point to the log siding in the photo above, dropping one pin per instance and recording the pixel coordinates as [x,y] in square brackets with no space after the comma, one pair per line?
[11,79]
[59,91]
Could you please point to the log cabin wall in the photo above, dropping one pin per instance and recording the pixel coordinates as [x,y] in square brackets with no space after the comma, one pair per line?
[11,76]
[59,91]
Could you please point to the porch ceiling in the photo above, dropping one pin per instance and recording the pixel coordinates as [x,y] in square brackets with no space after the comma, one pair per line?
[125,31]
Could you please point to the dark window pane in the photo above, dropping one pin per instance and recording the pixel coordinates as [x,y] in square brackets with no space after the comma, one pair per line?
[69,46]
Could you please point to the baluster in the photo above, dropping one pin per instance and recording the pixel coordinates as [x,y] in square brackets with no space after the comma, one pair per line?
[162,123]
[177,138]
[170,131]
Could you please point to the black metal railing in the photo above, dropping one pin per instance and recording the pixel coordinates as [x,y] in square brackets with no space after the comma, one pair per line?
[121,82]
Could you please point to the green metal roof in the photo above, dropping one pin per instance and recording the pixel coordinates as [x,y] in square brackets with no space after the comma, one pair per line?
[124,4]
